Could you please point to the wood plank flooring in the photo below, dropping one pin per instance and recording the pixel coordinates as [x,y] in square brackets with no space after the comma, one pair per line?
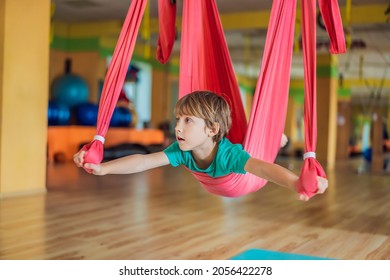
[165,214]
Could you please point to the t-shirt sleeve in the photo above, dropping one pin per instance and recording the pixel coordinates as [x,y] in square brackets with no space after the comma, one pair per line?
[237,159]
[174,154]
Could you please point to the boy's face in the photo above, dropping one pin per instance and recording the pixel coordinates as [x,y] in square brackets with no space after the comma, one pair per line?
[192,133]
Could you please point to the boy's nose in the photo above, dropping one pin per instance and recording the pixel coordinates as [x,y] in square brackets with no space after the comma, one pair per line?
[179,125]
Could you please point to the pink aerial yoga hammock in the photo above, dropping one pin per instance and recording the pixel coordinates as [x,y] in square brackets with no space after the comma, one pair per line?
[205,64]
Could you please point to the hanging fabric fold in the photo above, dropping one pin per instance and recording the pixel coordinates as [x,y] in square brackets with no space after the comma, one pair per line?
[114,79]
[167,29]
[330,13]
[269,107]
[329,9]
[311,167]
[205,62]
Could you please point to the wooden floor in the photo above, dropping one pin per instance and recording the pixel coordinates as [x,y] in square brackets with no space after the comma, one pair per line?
[165,214]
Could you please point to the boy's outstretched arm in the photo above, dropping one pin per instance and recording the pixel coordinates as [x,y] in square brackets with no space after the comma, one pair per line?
[125,165]
[280,175]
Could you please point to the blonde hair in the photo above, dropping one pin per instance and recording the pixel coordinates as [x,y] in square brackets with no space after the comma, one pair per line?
[210,107]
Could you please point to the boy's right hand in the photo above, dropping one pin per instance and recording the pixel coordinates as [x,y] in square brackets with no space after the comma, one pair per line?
[95,169]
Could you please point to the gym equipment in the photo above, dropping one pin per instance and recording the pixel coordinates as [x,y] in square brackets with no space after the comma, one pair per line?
[70,89]
[58,114]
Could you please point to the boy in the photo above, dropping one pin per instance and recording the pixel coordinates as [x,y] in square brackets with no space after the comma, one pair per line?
[203,121]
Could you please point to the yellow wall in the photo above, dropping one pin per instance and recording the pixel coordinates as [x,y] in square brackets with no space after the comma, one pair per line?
[24,60]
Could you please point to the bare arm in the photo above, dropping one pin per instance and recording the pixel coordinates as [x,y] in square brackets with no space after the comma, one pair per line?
[281,176]
[125,165]
[273,173]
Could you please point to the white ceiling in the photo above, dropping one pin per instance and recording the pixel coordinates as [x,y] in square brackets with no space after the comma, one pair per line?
[376,36]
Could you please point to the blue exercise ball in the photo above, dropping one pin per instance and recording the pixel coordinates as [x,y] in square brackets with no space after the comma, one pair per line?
[121,117]
[71,90]
[86,114]
[58,114]
[367,154]
[125,116]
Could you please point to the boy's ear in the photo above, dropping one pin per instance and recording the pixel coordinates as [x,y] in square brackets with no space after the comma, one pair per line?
[214,131]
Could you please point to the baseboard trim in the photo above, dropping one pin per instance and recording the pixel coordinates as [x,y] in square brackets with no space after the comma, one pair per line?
[22,193]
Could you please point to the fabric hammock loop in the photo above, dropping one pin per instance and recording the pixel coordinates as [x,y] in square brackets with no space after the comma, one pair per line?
[307,182]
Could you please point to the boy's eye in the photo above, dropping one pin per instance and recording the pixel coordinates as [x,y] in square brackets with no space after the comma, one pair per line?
[188,120]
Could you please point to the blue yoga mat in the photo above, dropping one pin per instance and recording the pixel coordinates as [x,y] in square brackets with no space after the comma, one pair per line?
[258,254]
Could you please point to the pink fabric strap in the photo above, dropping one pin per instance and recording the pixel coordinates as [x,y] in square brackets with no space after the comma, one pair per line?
[268,114]
[115,78]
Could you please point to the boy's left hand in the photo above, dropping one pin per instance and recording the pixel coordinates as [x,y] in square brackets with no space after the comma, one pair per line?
[322,186]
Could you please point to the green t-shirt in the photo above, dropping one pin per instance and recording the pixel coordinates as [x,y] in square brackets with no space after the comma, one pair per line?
[230,158]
